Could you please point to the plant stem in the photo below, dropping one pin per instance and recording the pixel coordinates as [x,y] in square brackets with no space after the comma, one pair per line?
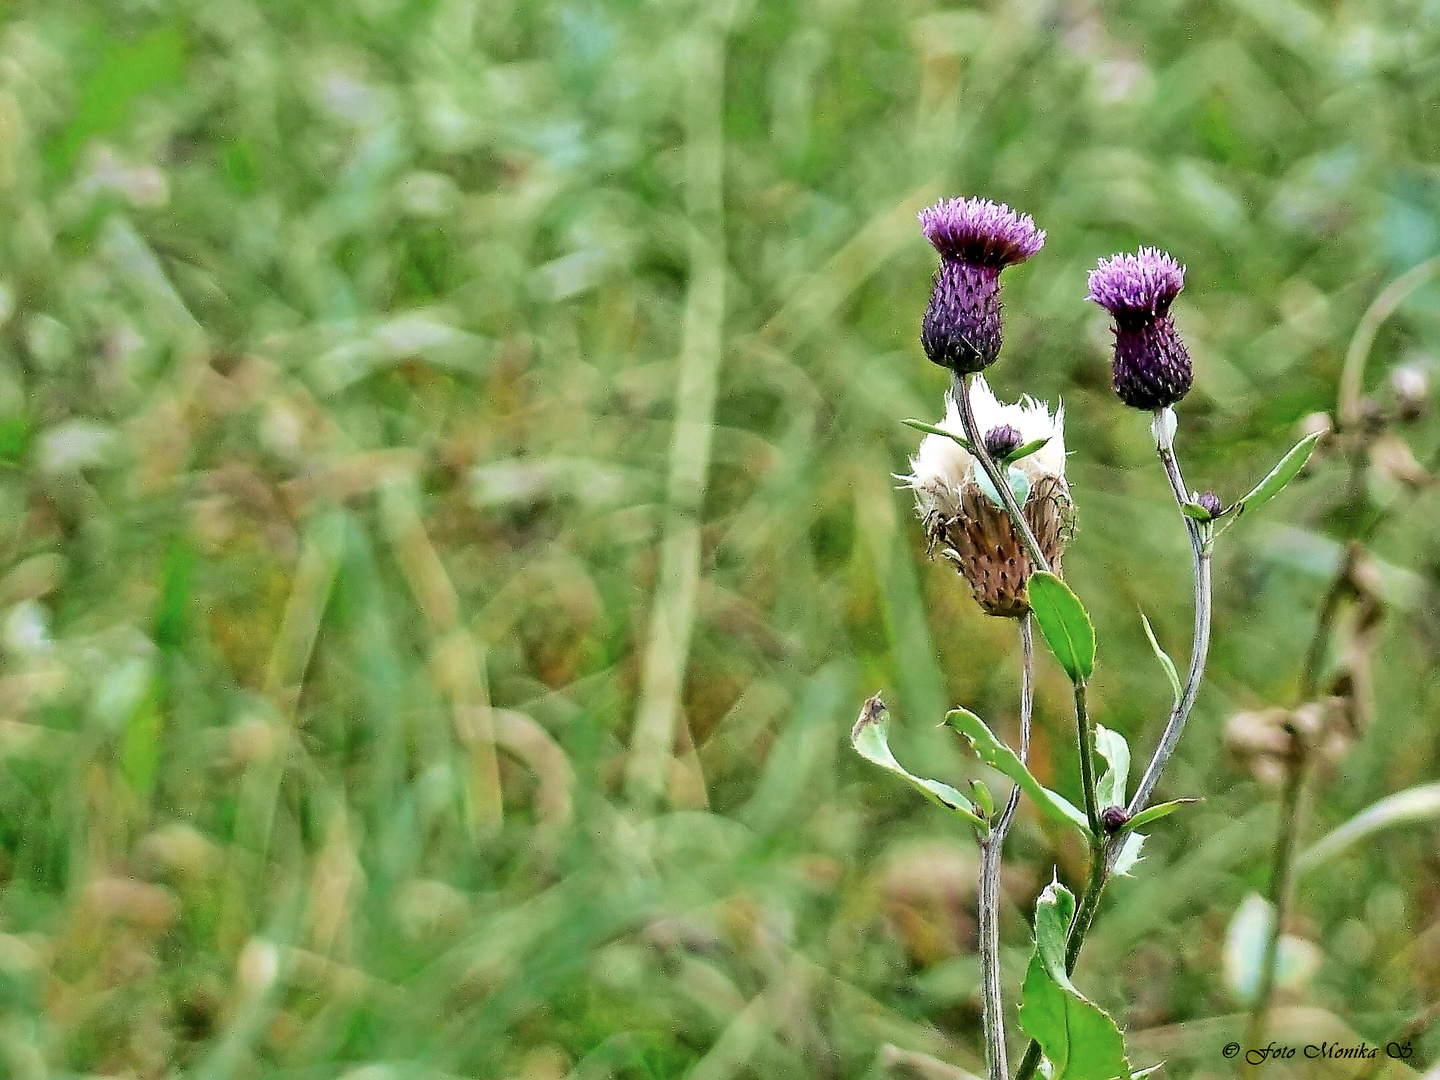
[1200,645]
[991,850]
[1104,851]
[961,388]
[1087,759]
[1277,893]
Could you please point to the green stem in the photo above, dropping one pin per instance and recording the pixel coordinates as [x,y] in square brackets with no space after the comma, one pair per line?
[1086,734]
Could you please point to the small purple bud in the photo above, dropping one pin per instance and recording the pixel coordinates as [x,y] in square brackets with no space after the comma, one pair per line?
[976,239]
[1211,502]
[1113,818]
[1151,368]
[1001,440]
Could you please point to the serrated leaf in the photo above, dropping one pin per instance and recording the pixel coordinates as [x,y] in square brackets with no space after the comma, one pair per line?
[1024,451]
[999,756]
[931,429]
[1111,746]
[1063,624]
[1129,854]
[1281,475]
[870,737]
[1156,812]
[1079,1040]
[1164,658]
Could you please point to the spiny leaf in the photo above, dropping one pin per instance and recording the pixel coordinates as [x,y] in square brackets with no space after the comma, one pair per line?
[999,756]
[1129,854]
[1063,624]
[870,739]
[1164,658]
[1079,1040]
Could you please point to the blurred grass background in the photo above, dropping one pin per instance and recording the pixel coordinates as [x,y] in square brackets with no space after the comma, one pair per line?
[446,452]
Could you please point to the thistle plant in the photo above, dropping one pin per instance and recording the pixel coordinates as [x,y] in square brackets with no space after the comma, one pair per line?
[990,487]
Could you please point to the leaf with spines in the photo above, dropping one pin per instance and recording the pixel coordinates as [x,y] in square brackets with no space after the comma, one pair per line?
[1063,624]
[870,739]
[1164,658]
[1129,854]
[1079,1040]
[999,756]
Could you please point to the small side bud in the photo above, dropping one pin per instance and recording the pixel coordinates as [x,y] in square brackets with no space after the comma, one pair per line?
[983,800]
[1211,502]
[1113,818]
[1001,440]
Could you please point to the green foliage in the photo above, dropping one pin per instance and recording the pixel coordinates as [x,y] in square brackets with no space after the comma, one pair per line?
[870,740]
[999,756]
[1078,1038]
[1064,624]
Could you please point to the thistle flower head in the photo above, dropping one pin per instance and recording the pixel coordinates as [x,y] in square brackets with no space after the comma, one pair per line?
[965,524]
[981,232]
[1142,285]
[1151,368]
[976,239]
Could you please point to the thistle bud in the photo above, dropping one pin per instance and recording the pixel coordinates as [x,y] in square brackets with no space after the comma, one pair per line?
[976,239]
[1211,502]
[1113,818]
[1001,440]
[1151,368]
[967,527]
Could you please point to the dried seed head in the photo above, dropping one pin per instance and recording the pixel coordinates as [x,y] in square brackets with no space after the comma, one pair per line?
[976,239]
[1411,387]
[1151,367]
[971,531]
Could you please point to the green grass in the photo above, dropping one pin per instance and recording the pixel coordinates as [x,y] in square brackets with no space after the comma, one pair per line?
[370,378]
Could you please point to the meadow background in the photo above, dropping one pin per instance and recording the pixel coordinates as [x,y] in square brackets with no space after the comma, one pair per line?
[448,524]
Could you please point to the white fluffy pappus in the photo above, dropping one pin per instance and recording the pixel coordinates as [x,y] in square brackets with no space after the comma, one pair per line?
[942,468]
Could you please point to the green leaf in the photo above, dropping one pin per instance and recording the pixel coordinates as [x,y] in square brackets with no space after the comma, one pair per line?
[1164,658]
[1196,511]
[1079,1039]
[869,737]
[1281,475]
[1111,746]
[1129,854]
[1018,481]
[1156,812]
[999,756]
[1063,624]
[1024,451]
[931,429]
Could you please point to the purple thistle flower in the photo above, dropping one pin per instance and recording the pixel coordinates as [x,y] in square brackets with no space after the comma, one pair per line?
[1151,368]
[976,239]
